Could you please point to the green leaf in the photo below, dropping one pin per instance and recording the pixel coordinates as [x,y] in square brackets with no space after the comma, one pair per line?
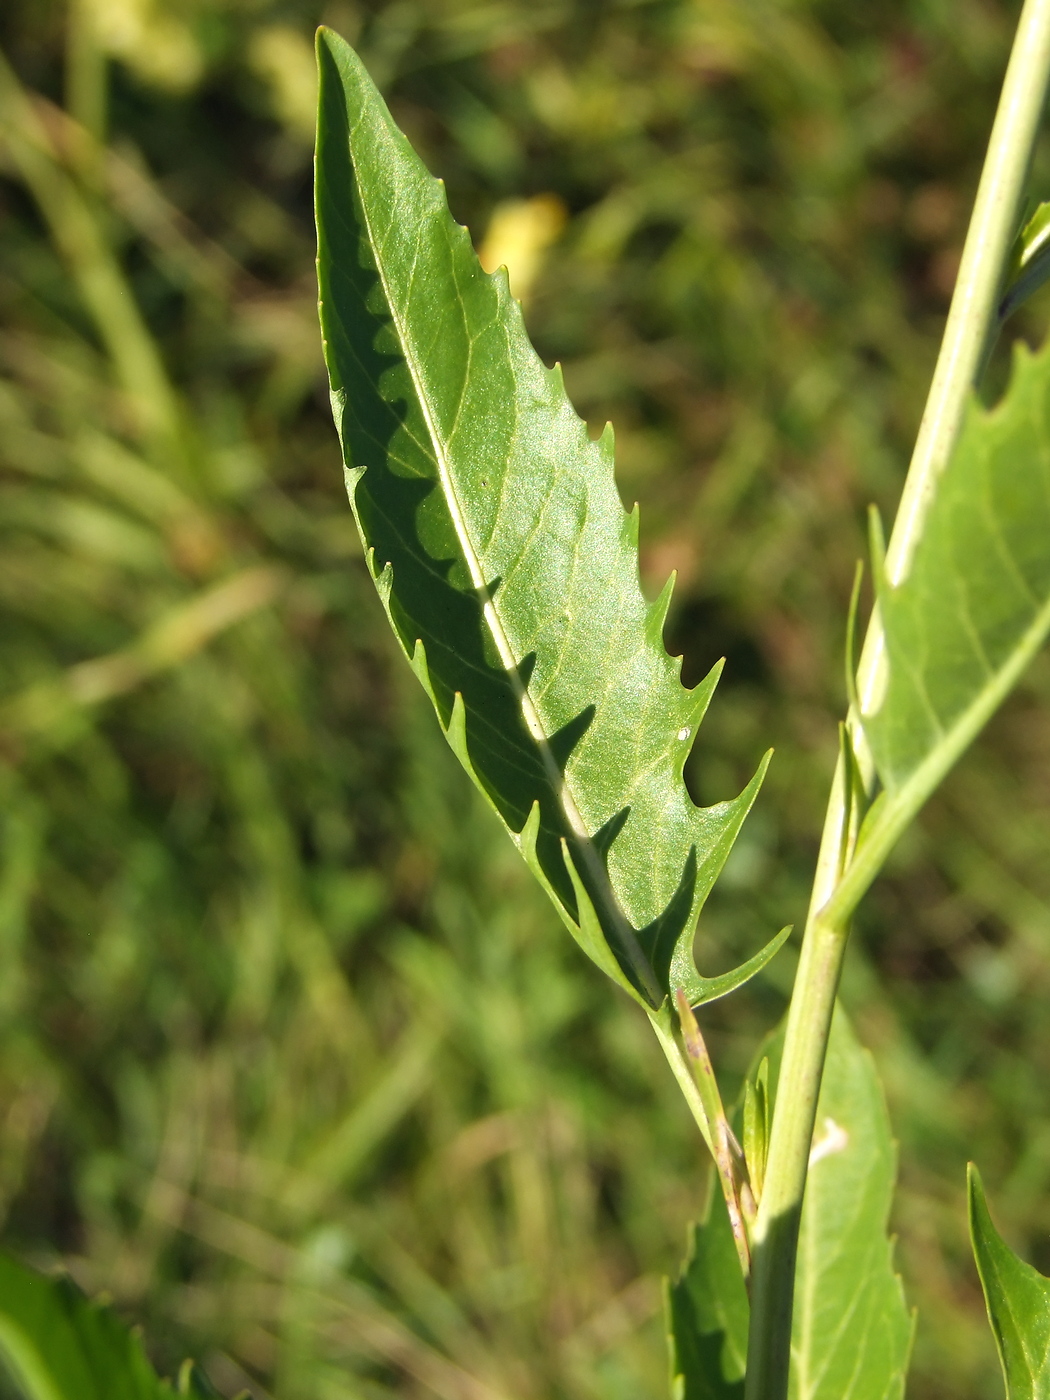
[59,1346]
[756,1126]
[851,1331]
[851,1334]
[1018,1301]
[707,1315]
[503,555]
[974,606]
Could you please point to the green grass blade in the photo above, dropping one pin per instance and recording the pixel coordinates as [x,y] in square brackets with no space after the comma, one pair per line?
[1018,1301]
[852,1332]
[707,1314]
[504,557]
[59,1346]
[969,615]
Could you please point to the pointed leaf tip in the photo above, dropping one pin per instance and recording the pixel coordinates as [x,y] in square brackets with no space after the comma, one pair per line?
[1018,1301]
[700,989]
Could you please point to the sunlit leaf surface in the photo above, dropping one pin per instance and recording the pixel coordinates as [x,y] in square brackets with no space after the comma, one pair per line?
[505,559]
[852,1330]
[974,606]
[1018,1300]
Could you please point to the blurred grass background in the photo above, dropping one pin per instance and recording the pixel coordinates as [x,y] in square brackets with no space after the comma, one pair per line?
[294,1062]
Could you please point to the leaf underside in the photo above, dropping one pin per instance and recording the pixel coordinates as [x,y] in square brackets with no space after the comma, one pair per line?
[851,1335]
[1018,1301]
[974,606]
[59,1346]
[503,555]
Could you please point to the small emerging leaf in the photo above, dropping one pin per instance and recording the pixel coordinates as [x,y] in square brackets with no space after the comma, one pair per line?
[756,1127]
[60,1346]
[505,560]
[1018,1301]
[707,1315]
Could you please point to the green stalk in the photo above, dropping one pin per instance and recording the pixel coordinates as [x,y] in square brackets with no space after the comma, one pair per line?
[700,1090]
[837,888]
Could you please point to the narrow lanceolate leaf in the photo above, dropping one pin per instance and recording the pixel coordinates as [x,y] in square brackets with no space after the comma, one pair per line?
[974,606]
[707,1315]
[852,1331]
[1018,1300]
[59,1346]
[504,557]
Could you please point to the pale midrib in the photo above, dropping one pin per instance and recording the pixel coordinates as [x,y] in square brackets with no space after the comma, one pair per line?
[511,663]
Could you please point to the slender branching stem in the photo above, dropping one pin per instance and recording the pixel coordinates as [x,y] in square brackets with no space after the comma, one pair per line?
[971,322]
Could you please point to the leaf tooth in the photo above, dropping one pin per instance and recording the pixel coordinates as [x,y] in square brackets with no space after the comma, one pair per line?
[658,610]
[419,664]
[383,578]
[526,838]
[352,479]
[456,734]
[500,279]
[555,377]
[700,696]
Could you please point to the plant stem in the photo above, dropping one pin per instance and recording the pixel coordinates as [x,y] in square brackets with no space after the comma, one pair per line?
[971,318]
[704,1074]
[711,1120]
[971,321]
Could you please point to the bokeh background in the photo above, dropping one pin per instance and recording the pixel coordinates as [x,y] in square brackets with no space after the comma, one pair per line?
[295,1064]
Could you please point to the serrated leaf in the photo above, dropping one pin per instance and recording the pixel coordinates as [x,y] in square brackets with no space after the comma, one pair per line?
[1018,1301]
[60,1346]
[707,1315]
[974,606]
[851,1333]
[504,558]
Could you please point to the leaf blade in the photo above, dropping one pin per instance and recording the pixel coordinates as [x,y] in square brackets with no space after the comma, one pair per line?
[505,560]
[60,1346]
[1018,1301]
[974,607]
[851,1333]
